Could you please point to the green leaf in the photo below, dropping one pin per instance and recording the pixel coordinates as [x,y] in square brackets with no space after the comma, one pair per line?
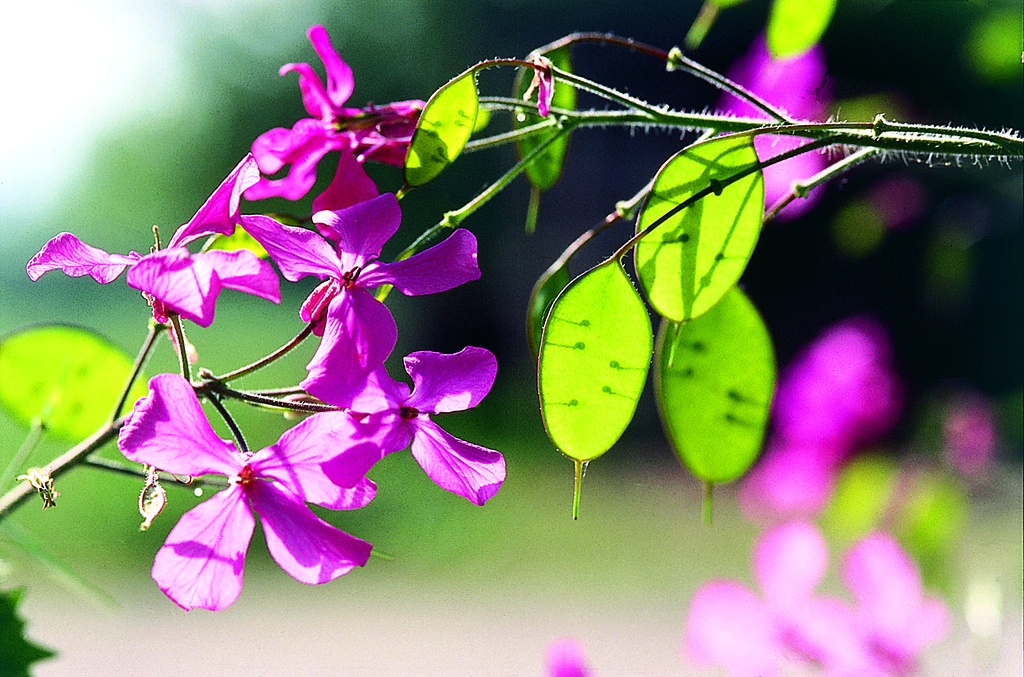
[237,240]
[861,497]
[714,380]
[594,356]
[17,654]
[690,261]
[548,287]
[795,25]
[444,127]
[546,168]
[68,377]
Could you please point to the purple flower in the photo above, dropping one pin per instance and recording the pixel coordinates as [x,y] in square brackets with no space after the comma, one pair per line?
[358,330]
[387,412]
[566,659]
[797,86]
[174,279]
[970,434]
[543,83]
[380,133]
[841,392]
[201,563]
[730,625]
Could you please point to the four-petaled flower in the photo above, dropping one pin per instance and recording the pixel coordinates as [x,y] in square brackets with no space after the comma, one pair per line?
[201,563]
[174,279]
[380,133]
[358,330]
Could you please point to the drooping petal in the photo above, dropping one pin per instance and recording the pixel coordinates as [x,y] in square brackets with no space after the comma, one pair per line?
[543,83]
[296,251]
[219,214]
[340,82]
[201,564]
[169,430]
[362,228]
[471,471]
[314,96]
[728,625]
[350,186]
[300,458]
[450,382]
[66,252]
[359,335]
[444,266]
[243,271]
[789,562]
[302,147]
[184,283]
[307,548]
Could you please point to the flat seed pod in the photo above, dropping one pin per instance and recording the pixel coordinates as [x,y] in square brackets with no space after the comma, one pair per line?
[794,26]
[444,127]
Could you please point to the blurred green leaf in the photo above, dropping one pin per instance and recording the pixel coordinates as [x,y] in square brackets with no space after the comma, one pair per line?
[690,261]
[444,127]
[548,287]
[930,521]
[68,377]
[795,25]
[714,379]
[861,497]
[17,654]
[546,168]
[993,47]
[594,356]
[237,240]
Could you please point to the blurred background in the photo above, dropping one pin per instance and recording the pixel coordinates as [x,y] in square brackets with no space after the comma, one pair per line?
[122,115]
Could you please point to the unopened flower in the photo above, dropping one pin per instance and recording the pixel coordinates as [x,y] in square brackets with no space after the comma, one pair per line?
[173,279]
[201,563]
[543,83]
[380,133]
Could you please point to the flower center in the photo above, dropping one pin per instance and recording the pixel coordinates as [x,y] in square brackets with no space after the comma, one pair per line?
[349,278]
[247,476]
[408,413]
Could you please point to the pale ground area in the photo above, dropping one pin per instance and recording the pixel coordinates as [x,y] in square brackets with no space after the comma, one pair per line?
[495,616]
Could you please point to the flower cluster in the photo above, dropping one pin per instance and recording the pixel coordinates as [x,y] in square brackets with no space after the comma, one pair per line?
[363,414]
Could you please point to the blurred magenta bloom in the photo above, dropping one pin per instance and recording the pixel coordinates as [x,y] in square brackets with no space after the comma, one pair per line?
[732,626]
[839,393]
[173,278]
[566,659]
[796,85]
[380,133]
[201,564]
[970,435]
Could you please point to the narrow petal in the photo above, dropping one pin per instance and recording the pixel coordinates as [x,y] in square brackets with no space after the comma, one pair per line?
[362,228]
[332,441]
[444,266]
[789,563]
[301,147]
[455,382]
[202,562]
[359,335]
[66,252]
[314,96]
[307,548]
[728,625]
[169,430]
[350,186]
[340,82]
[471,471]
[185,283]
[296,251]
[243,271]
[220,212]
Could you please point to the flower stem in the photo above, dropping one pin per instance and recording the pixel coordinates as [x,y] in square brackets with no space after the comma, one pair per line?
[236,432]
[262,362]
[800,189]
[179,335]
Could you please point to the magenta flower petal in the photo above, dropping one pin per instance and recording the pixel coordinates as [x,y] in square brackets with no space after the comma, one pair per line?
[350,186]
[380,392]
[471,471]
[220,212]
[296,251]
[299,460]
[359,335]
[362,228]
[340,82]
[444,266]
[243,271]
[824,629]
[314,96]
[791,480]
[66,252]
[309,549]
[302,147]
[201,564]
[728,625]
[184,283]
[789,562]
[443,383]
[169,430]
[565,658]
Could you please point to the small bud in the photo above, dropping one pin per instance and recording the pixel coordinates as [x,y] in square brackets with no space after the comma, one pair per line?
[152,498]
[41,481]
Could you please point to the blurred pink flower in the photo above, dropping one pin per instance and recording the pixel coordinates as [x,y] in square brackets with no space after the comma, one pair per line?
[566,659]
[970,435]
[839,393]
[797,85]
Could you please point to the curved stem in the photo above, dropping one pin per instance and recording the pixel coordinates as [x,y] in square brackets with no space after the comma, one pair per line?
[155,328]
[179,335]
[800,189]
[262,362]
[261,400]
[236,432]
[136,471]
